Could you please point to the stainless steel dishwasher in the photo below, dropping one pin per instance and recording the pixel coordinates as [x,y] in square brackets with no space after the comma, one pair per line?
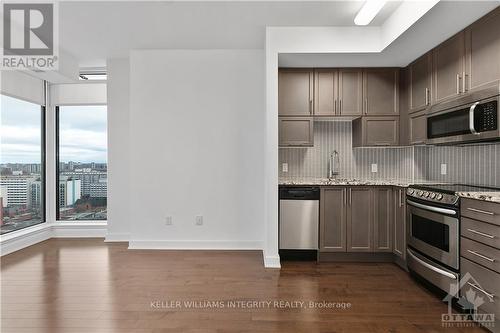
[298,218]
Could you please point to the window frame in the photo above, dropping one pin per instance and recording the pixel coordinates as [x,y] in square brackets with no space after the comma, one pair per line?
[43,163]
[57,167]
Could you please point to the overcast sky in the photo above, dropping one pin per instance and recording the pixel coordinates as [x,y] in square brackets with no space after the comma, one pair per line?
[82,132]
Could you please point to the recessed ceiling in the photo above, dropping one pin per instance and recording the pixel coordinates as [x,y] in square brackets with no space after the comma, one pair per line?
[94,31]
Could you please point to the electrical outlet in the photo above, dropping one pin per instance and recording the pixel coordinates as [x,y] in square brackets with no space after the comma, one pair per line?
[168,220]
[443,169]
[374,167]
[284,167]
[199,220]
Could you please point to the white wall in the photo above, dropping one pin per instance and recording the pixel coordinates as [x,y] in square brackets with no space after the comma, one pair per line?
[118,150]
[22,85]
[85,93]
[197,125]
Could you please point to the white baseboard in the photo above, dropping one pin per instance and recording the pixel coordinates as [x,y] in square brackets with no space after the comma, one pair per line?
[117,237]
[271,261]
[194,245]
[79,230]
[23,238]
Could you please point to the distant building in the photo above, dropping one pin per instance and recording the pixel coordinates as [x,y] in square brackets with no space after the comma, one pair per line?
[99,189]
[89,178]
[36,194]
[15,190]
[69,191]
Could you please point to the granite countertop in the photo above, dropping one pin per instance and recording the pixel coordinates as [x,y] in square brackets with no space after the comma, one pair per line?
[484,196]
[345,182]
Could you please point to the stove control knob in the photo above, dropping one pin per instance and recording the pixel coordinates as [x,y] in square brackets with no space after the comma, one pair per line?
[411,191]
[433,195]
[420,193]
[439,197]
[426,194]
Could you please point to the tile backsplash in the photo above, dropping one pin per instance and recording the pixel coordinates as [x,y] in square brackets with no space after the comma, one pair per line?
[471,164]
[476,164]
[395,163]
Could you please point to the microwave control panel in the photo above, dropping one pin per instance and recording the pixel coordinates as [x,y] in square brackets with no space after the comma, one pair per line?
[486,117]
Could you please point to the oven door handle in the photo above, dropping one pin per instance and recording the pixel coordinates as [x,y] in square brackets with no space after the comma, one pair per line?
[432,268]
[431,208]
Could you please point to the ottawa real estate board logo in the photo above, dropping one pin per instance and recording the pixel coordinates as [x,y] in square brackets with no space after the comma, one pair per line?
[29,36]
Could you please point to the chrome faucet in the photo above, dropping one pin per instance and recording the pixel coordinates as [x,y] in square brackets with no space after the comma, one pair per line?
[333,164]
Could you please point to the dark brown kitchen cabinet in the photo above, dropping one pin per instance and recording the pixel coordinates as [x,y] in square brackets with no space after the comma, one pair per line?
[333,219]
[383,219]
[420,82]
[418,128]
[350,92]
[325,92]
[296,131]
[295,92]
[375,131]
[399,248]
[359,219]
[483,51]
[449,69]
[380,91]
[338,92]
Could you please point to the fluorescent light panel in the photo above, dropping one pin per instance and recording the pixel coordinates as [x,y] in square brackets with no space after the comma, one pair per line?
[368,12]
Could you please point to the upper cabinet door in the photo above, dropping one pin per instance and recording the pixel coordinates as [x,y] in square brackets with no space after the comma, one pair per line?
[420,80]
[325,102]
[350,92]
[380,91]
[295,89]
[449,70]
[483,51]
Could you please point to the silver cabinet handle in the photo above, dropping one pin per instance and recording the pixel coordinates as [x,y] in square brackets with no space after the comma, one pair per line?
[344,194]
[340,106]
[310,106]
[480,211]
[480,233]
[458,84]
[426,96]
[366,105]
[491,296]
[350,196]
[334,106]
[464,82]
[481,256]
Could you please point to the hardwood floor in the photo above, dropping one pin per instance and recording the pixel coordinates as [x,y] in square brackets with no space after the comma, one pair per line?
[86,285]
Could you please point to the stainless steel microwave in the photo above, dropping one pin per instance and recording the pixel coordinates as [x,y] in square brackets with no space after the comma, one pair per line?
[474,121]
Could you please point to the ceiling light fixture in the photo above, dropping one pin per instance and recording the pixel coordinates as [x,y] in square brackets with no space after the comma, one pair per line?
[368,12]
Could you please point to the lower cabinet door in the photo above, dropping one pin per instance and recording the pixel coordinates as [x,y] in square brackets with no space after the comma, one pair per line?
[399,223]
[383,214]
[333,219]
[359,219]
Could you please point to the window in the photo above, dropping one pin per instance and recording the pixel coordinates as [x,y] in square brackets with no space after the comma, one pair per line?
[22,162]
[81,162]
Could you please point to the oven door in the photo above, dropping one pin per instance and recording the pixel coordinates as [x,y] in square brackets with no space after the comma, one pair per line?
[434,232]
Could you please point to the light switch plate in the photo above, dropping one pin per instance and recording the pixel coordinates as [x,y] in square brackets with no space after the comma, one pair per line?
[199,220]
[374,167]
[443,169]
[284,167]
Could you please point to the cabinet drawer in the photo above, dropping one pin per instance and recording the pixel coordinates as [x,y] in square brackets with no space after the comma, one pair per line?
[486,233]
[481,210]
[484,283]
[482,254]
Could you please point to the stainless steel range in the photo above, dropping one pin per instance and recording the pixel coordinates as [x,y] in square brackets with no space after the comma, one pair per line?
[433,232]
